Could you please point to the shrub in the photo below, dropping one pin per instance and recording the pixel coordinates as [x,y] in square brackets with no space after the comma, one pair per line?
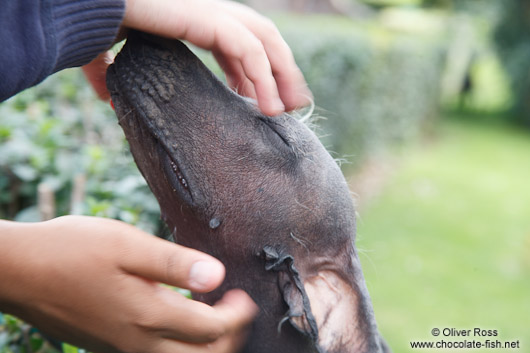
[512,38]
[375,88]
[57,131]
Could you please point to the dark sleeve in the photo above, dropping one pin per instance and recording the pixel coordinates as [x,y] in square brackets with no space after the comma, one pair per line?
[40,37]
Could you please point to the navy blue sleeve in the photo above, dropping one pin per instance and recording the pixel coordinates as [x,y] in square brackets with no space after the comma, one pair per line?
[40,37]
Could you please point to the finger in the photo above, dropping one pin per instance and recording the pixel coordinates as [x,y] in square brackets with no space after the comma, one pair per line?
[205,323]
[257,69]
[291,84]
[292,88]
[96,72]
[237,308]
[169,263]
[237,43]
[223,33]
[235,77]
[226,344]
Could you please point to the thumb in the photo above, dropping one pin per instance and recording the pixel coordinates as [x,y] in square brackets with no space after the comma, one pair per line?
[96,72]
[162,261]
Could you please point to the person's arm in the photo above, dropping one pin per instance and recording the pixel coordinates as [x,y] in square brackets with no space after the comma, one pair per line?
[249,48]
[40,37]
[95,283]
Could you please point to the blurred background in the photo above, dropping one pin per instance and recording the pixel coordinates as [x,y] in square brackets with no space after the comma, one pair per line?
[426,105]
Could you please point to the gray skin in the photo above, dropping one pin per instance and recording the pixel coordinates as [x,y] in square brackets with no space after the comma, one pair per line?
[259,193]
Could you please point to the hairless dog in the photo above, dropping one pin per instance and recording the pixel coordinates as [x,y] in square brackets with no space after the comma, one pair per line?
[259,193]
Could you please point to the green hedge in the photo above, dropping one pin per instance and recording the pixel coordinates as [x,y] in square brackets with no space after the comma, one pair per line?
[375,88]
[54,133]
[512,38]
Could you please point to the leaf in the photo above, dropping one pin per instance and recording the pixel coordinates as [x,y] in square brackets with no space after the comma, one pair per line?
[29,214]
[4,340]
[68,348]
[25,172]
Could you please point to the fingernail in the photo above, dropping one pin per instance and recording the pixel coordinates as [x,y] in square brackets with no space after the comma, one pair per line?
[276,107]
[203,274]
[305,92]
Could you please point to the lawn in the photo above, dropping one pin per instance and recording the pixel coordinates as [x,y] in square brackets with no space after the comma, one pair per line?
[446,244]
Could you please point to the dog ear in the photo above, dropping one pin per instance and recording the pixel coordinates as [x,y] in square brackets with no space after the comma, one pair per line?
[293,292]
[326,307]
[334,308]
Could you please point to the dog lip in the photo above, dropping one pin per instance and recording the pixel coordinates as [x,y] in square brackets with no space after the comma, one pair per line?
[176,176]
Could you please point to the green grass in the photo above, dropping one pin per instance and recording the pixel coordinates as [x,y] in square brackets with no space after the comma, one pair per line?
[447,242]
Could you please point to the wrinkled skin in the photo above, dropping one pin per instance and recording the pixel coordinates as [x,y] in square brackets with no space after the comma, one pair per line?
[259,193]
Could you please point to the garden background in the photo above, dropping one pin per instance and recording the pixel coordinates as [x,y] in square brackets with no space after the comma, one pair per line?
[425,103]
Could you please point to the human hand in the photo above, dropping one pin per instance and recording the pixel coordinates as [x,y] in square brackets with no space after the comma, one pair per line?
[249,48]
[95,283]
[96,73]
